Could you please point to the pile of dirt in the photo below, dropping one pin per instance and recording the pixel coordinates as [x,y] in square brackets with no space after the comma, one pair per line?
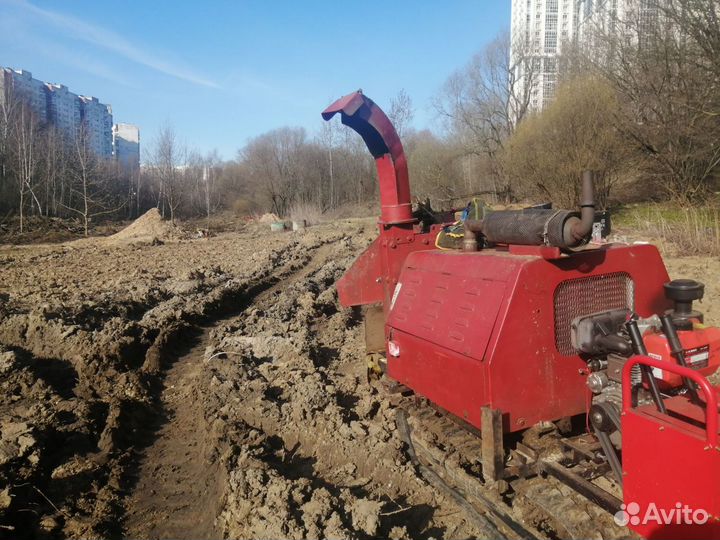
[148,227]
[268,218]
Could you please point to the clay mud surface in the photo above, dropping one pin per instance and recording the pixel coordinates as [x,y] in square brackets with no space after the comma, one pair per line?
[158,386]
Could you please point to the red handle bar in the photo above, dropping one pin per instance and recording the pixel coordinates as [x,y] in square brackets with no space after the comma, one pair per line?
[711,409]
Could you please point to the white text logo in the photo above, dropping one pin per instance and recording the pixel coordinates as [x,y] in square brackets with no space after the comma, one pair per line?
[681,514]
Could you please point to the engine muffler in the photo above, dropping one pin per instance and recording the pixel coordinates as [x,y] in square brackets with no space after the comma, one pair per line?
[536,227]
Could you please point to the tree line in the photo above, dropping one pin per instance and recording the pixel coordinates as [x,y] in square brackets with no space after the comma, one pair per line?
[45,173]
[637,101]
[638,104]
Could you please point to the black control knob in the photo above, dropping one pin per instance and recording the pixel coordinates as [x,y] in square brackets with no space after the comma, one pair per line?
[683,292]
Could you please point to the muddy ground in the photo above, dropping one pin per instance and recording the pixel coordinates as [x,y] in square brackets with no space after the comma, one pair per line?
[154,385]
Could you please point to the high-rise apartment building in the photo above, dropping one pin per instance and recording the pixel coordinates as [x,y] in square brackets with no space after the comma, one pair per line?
[539,30]
[20,84]
[97,121]
[126,146]
[610,17]
[53,104]
[63,109]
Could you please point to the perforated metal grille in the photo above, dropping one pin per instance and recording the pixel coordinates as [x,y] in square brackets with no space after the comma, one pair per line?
[583,296]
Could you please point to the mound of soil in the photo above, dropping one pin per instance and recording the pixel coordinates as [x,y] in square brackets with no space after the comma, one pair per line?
[149,226]
[268,218]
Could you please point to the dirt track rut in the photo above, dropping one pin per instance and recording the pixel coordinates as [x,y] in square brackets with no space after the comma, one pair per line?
[178,489]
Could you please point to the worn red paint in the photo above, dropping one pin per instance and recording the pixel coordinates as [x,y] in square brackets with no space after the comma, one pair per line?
[671,459]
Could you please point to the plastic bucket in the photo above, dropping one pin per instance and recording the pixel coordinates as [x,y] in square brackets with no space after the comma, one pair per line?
[277,226]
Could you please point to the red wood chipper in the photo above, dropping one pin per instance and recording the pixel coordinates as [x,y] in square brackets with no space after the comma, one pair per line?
[531,328]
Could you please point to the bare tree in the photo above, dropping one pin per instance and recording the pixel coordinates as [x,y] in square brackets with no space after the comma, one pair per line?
[669,105]
[436,168]
[9,106]
[401,113]
[327,138]
[54,163]
[25,136]
[273,160]
[168,161]
[210,165]
[699,22]
[91,193]
[486,100]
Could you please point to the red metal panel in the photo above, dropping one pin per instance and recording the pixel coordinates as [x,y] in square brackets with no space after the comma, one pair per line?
[665,464]
[397,243]
[512,330]
[670,461]
[362,284]
[447,378]
[372,277]
[449,300]
[666,467]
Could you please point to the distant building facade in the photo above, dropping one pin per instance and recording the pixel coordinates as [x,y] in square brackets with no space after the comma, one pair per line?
[20,83]
[608,17]
[63,109]
[54,104]
[541,28]
[126,146]
[97,121]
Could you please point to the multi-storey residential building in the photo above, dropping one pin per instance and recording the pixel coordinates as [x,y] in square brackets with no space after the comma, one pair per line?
[20,84]
[539,29]
[97,122]
[608,17]
[63,109]
[126,146]
[54,104]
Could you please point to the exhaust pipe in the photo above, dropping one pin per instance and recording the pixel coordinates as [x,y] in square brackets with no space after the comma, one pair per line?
[579,229]
[534,227]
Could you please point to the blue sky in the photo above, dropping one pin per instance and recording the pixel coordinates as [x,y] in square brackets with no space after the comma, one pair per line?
[223,71]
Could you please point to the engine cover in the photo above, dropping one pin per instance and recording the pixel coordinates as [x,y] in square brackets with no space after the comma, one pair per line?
[702,352]
[489,328]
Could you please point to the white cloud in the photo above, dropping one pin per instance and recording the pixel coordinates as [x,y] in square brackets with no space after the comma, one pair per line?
[107,39]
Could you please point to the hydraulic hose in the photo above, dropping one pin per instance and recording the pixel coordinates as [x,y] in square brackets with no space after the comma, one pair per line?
[639,348]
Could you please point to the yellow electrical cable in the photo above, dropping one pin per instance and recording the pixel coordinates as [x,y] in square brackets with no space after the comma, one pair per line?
[452,235]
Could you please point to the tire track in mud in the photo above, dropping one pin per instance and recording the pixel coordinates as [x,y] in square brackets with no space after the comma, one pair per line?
[179,483]
[316,452]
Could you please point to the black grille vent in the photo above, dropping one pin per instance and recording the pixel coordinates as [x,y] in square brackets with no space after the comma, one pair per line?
[583,296]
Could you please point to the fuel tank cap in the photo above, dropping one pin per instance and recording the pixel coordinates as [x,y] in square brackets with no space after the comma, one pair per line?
[683,292]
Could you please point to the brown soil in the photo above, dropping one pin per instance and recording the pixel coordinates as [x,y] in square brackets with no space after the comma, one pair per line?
[204,388]
[149,227]
[38,229]
[178,486]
